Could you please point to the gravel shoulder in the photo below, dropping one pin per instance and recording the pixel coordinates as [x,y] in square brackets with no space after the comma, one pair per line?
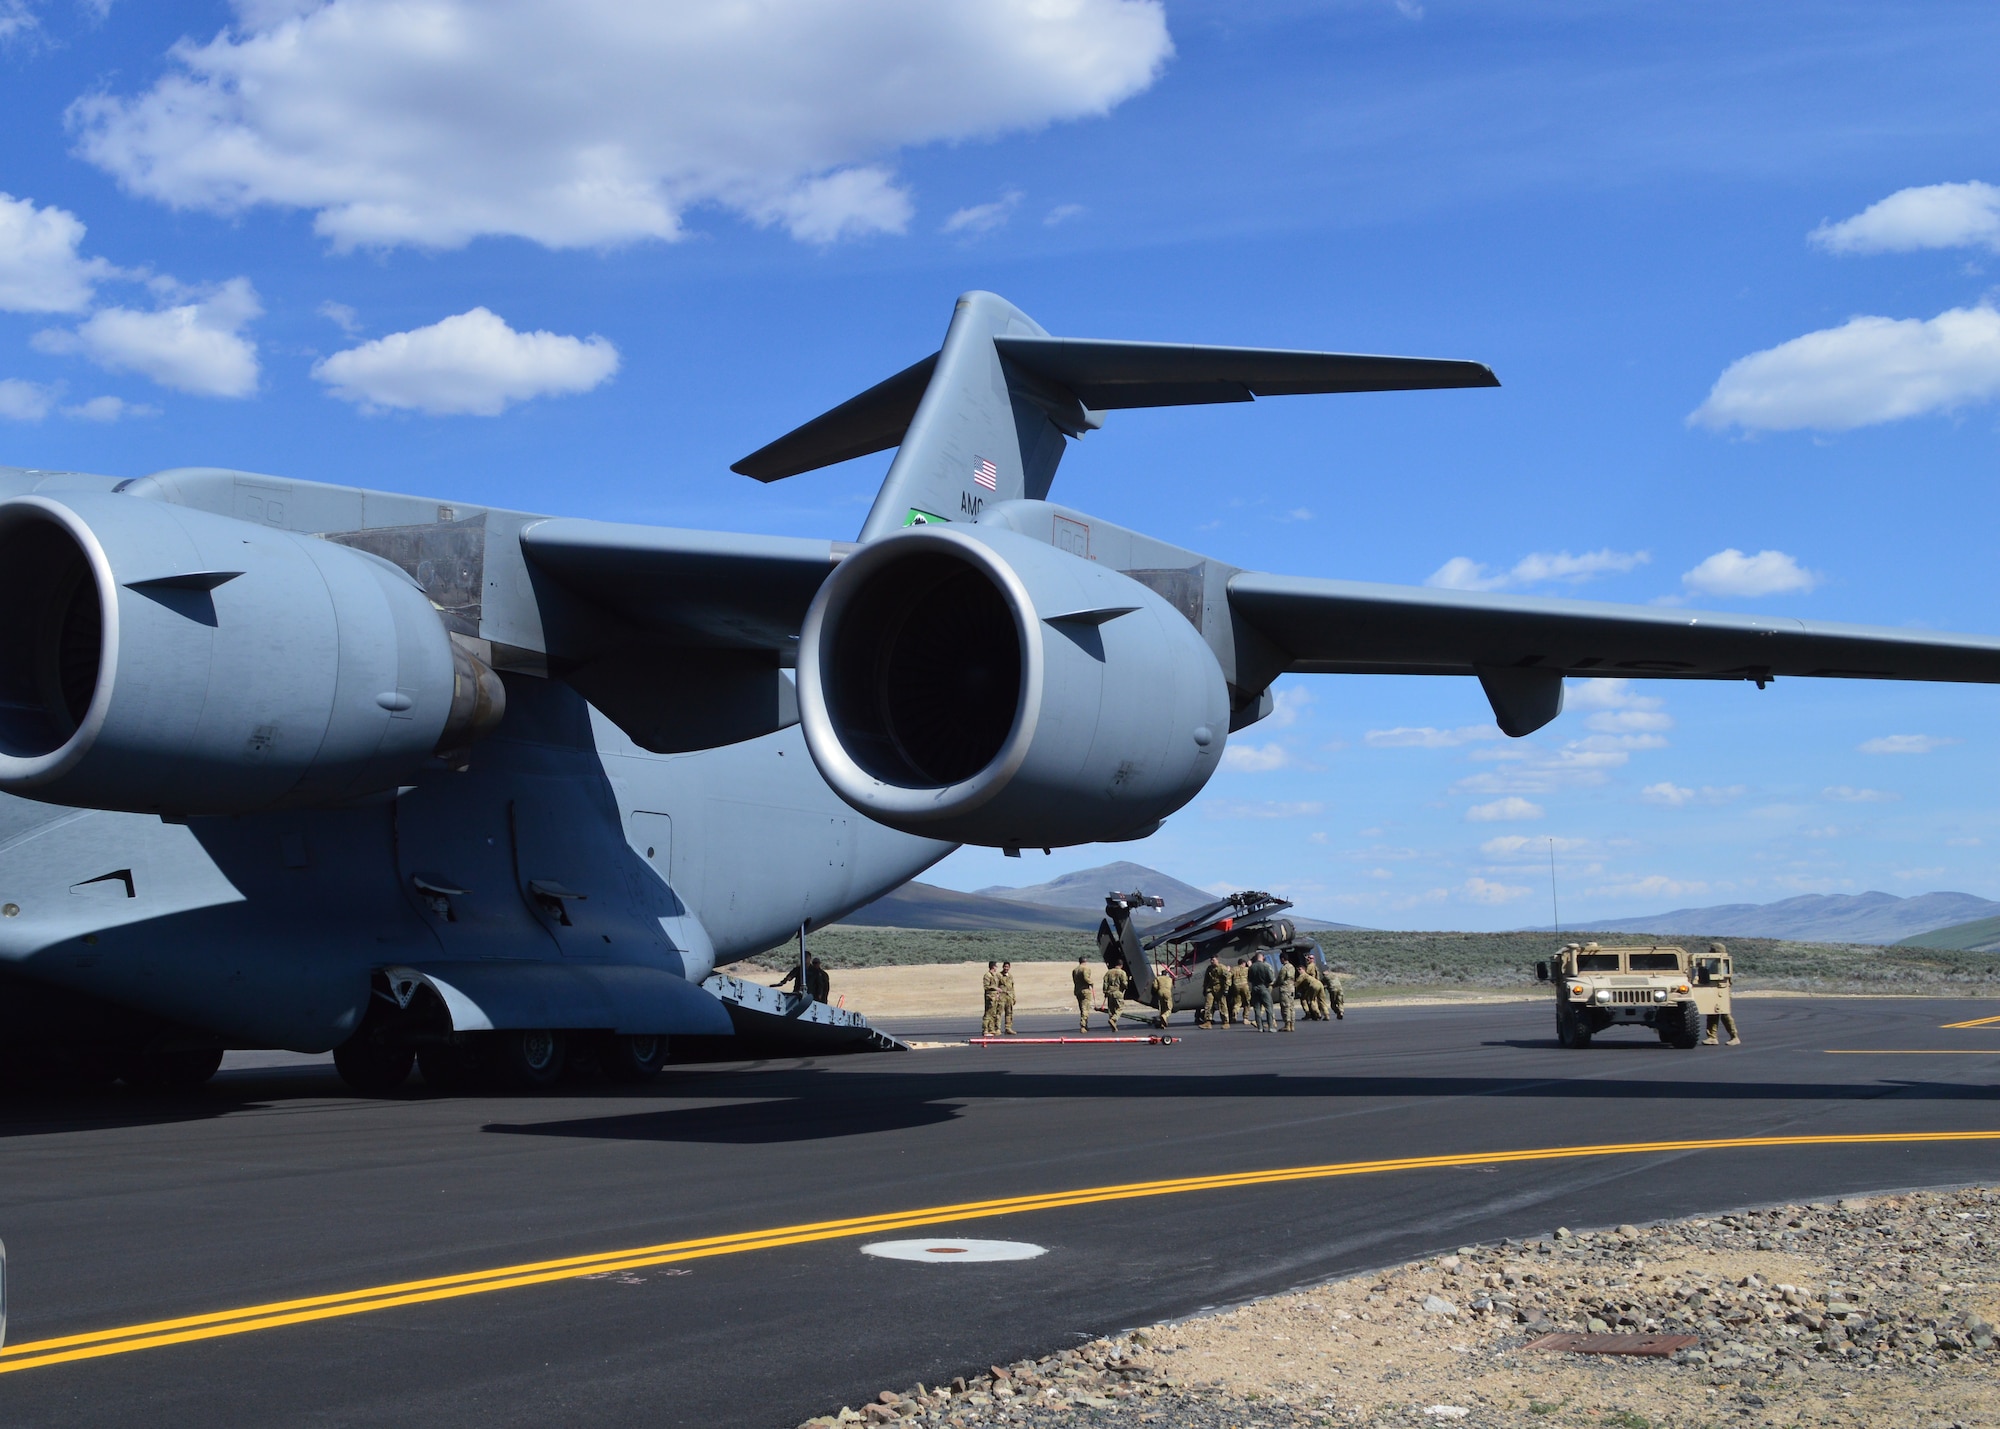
[1860,1312]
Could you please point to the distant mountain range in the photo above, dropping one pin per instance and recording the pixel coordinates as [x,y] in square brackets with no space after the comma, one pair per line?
[1074,902]
[1822,917]
[1087,889]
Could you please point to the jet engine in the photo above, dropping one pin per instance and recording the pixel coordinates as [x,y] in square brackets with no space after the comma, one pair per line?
[159,659]
[977,685]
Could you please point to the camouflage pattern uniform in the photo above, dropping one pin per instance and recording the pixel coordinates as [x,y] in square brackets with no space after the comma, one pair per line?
[1080,976]
[1005,1008]
[1239,992]
[989,1022]
[1215,992]
[1163,995]
[1115,983]
[1311,990]
[1288,994]
[1337,997]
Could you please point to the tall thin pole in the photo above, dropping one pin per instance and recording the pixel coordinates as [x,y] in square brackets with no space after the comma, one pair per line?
[1554,907]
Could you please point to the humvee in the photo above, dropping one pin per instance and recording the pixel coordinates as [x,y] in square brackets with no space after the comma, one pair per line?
[1664,988]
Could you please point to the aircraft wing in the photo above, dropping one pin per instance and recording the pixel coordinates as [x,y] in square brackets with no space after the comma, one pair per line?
[703,589]
[1521,647]
[1349,627]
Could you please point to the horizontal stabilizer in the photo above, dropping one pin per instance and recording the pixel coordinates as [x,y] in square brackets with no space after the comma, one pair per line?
[1070,378]
[860,426]
[1108,375]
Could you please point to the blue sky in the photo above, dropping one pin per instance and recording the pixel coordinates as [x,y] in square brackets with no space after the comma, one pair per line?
[1734,265]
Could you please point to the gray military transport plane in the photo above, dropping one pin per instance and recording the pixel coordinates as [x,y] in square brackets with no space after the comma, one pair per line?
[289,765]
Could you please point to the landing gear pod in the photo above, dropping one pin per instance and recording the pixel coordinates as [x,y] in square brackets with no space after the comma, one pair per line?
[158,659]
[981,686]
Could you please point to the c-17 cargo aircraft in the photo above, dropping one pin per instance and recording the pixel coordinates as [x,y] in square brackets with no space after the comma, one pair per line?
[292,765]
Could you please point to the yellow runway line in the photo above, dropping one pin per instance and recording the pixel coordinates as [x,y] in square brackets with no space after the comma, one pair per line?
[1976,1022]
[158,1334]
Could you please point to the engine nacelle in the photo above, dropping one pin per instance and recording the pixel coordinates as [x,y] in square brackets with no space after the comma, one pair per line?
[158,659]
[977,685]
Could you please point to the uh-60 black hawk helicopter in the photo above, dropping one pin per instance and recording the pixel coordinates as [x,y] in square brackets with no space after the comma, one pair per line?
[1237,926]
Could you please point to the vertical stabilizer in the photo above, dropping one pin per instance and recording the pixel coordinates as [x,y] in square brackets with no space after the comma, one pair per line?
[979,435]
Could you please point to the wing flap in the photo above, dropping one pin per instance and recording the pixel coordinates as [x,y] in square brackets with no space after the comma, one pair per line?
[702,589]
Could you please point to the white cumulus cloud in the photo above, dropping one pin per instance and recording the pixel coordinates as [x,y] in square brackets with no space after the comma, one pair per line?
[1905,744]
[1680,796]
[1731,573]
[25,401]
[110,409]
[1507,810]
[1847,794]
[984,217]
[1425,737]
[592,122]
[1932,216]
[1521,845]
[1654,886]
[1262,809]
[1866,371]
[41,267]
[1479,890]
[1537,568]
[194,346]
[1255,759]
[469,365]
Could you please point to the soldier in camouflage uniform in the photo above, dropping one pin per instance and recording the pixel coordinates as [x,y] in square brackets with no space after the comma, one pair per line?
[1239,992]
[1163,995]
[1336,998]
[1115,983]
[1288,993]
[1006,1005]
[1080,977]
[1311,990]
[989,1023]
[1215,993]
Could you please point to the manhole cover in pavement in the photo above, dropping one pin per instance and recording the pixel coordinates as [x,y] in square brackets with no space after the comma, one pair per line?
[954,1251]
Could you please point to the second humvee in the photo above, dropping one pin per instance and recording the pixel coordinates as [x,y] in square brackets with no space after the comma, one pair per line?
[1651,985]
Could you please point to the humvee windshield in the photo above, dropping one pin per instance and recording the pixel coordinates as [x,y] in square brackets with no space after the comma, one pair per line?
[1597,962]
[1655,963]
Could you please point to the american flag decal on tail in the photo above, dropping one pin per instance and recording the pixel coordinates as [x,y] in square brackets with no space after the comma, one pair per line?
[987,475]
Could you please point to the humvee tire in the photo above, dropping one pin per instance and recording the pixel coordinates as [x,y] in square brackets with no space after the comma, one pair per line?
[1571,1030]
[1688,1034]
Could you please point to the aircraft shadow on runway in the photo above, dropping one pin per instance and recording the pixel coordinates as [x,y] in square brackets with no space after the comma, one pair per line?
[809,1104]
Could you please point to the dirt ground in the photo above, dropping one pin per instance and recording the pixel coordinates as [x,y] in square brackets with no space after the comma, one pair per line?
[952,990]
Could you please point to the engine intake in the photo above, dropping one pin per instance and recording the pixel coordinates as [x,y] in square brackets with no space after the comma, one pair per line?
[159,659]
[980,686]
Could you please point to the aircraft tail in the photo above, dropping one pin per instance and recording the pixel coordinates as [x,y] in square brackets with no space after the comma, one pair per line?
[987,417]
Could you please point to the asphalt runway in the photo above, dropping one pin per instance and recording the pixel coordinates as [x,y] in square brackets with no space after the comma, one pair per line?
[272,1187]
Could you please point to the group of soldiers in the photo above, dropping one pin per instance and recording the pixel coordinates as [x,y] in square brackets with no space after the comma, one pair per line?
[1117,988]
[1271,996]
[999,985]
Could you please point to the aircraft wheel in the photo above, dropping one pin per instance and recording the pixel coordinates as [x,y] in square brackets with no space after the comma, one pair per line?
[526,1060]
[374,1068]
[176,1071]
[634,1059]
[449,1068]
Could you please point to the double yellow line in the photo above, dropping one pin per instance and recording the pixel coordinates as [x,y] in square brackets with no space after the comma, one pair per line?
[1976,1022]
[158,1334]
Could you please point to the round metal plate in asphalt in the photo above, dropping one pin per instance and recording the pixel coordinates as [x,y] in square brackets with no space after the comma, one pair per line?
[953,1251]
